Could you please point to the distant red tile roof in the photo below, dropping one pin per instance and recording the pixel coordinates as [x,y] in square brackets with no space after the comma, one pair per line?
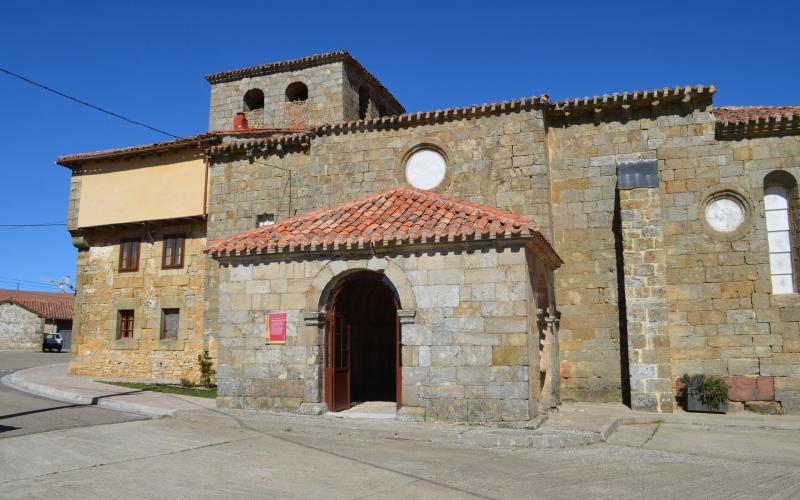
[51,305]
[400,215]
[751,113]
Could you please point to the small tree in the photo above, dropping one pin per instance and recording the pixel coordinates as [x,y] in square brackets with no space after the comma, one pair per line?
[207,371]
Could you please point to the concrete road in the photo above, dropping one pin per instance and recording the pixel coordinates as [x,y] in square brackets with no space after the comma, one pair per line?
[170,458]
[22,413]
[760,445]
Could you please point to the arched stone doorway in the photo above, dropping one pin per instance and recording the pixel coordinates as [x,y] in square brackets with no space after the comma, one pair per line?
[362,342]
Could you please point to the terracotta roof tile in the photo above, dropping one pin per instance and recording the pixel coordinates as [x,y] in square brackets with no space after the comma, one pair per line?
[617,99]
[208,138]
[56,305]
[735,114]
[400,215]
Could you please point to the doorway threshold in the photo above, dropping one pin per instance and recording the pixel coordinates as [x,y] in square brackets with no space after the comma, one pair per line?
[369,409]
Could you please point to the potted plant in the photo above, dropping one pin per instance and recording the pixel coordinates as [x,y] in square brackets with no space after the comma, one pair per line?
[706,394]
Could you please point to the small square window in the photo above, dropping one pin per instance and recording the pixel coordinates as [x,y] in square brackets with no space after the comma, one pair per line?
[129,255]
[172,257]
[170,319]
[265,220]
[125,324]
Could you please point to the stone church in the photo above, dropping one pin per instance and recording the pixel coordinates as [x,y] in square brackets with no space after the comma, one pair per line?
[483,263]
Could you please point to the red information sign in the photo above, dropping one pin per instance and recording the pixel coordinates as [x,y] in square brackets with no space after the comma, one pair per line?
[276,328]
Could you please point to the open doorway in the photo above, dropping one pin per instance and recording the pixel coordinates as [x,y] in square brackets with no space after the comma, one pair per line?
[362,343]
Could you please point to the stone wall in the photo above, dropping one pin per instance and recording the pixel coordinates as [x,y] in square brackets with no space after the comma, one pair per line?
[724,319]
[466,353]
[641,233]
[583,159]
[715,291]
[20,329]
[103,290]
[378,104]
[324,105]
[498,160]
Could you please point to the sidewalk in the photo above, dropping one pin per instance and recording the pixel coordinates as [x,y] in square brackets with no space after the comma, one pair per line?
[573,424]
[52,381]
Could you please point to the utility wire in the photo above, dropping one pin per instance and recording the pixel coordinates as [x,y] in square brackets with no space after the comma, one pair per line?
[98,108]
[34,225]
[43,287]
[11,278]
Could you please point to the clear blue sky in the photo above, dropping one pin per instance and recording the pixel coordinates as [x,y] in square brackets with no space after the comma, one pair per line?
[147,60]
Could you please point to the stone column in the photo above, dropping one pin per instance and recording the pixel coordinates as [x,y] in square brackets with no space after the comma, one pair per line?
[644,257]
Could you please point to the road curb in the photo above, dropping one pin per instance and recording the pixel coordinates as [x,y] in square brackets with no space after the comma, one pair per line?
[15,382]
[485,437]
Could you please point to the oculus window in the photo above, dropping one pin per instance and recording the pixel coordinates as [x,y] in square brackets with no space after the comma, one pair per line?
[425,169]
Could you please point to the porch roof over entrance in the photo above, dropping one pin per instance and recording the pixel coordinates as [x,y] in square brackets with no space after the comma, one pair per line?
[402,215]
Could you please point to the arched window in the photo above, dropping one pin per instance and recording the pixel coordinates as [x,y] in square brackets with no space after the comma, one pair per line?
[296,92]
[363,103]
[779,188]
[253,99]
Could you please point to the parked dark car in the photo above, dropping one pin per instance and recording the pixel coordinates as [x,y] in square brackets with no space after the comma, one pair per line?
[52,341]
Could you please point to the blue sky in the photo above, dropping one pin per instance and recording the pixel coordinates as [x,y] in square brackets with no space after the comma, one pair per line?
[146,60]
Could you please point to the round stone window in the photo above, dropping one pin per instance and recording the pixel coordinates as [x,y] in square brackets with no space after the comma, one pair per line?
[724,214]
[425,169]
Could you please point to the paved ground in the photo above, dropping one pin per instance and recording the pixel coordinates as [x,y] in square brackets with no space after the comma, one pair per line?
[179,459]
[761,445]
[90,452]
[22,413]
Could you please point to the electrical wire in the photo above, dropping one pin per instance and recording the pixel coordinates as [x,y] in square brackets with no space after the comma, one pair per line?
[43,286]
[34,225]
[11,278]
[79,101]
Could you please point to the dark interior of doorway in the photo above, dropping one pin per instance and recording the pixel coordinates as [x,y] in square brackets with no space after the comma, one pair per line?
[369,308]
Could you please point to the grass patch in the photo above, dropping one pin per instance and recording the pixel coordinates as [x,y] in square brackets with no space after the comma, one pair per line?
[169,389]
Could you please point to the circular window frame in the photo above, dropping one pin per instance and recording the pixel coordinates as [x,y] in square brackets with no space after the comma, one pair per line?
[716,193]
[433,144]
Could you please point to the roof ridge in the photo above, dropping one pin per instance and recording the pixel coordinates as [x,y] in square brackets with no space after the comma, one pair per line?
[666,91]
[401,214]
[319,58]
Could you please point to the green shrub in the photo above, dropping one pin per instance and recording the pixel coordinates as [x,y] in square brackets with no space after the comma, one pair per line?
[207,371]
[188,383]
[712,392]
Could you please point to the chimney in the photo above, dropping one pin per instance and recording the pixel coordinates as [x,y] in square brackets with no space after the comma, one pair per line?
[240,122]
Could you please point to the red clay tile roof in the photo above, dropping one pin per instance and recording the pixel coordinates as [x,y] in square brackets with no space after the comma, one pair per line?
[207,138]
[55,305]
[617,99]
[735,114]
[400,215]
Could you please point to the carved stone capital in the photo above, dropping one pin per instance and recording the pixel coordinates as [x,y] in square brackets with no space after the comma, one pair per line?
[407,316]
[314,318]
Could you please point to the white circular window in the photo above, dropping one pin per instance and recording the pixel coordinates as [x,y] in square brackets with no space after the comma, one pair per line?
[724,214]
[425,169]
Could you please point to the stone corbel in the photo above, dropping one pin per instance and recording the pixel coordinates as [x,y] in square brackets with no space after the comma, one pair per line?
[686,103]
[79,241]
[407,316]
[654,109]
[554,318]
[314,318]
[541,318]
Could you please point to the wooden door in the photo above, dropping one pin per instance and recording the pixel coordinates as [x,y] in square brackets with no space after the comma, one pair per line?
[341,364]
[337,357]
[398,365]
